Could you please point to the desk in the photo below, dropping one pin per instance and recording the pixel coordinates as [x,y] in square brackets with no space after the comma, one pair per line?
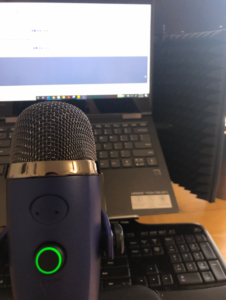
[193,210]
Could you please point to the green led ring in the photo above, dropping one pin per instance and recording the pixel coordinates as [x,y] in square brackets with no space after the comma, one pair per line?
[58,266]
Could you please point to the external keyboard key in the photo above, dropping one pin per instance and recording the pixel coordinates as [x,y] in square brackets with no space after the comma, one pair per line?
[117,146]
[103,154]
[113,138]
[103,139]
[198,256]
[189,238]
[144,233]
[125,153]
[140,130]
[116,282]
[154,280]
[145,138]
[179,239]
[202,265]
[141,281]
[114,154]
[187,257]
[127,163]
[191,267]
[189,278]
[152,269]
[134,251]
[1,169]
[144,242]
[193,247]
[132,243]
[155,242]
[115,163]
[208,277]
[124,138]
[157,250]
[128,145]
[4,160]
[167,279]
[151,161]
[146,251]
[4,151]
[169,240]
[143,153]
[179,268]
[4,143]
[200,237]
[183,248]
[117,262]
[172,249]
[107,146]
[115,273]
[217,270]
[207,250]
[175,258]
[141,145]
[104,164]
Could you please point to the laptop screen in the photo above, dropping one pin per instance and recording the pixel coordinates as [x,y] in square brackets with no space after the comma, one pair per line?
[74,51]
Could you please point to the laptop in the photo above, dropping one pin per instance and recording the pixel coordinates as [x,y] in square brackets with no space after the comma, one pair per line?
[99,57]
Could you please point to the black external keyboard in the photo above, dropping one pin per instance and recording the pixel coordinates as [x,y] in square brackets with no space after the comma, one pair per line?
[162,257]
[119,145]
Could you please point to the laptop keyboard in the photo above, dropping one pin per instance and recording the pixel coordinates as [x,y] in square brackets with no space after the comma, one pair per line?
[119,145]
[162,257]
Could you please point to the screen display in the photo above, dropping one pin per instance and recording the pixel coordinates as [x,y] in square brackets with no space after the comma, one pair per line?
[74,51]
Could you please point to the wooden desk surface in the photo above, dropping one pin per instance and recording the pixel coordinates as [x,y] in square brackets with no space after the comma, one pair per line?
[193,210]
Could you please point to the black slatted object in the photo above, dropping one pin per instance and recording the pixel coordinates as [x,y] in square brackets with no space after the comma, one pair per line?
[189,97]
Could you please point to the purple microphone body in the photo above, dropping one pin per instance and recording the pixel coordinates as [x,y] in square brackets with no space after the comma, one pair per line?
[53,205]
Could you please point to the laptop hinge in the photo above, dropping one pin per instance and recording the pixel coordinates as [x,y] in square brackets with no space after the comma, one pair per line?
[132,116]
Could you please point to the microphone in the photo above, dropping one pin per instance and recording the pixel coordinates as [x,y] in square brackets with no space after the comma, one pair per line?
[53,205]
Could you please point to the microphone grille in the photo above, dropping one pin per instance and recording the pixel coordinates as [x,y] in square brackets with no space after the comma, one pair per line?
[52,131]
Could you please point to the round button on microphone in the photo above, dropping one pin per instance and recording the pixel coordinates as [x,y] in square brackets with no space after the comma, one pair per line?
[49,259]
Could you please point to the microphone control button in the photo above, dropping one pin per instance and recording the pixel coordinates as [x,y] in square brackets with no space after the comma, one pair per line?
[49,259]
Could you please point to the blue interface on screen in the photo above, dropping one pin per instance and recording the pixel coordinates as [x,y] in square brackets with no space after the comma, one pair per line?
[70,50]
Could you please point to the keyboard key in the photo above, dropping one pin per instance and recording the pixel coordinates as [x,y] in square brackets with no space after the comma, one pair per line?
[107,126]
[146,251]
[125,153]
[183,248]
[107,131]
[113,138]
[207,250]
[116,282]
[128,145]
[167,279]
[116,125]
[162,232]
[152,233]
[4,143]
[4,281]
[104,164]
[118,131]
[172,249]
[179,239]
[103,154]
[200,237]
[127,163]
[145,138]
[4,151]
[143,153]
[133,125]
[115,163]
[169,240]
[125,125]
[141,280]
[98,147]
[179,268]
[132,243]
[117,146]
[3,129]
[202,265]
[139,162]
[4,160]
[155,242]
[189,238]
[124,138]
[103,139]
[133,137]
[208,277]
[175,258]
[107,146]
[197,229]
[1,169]
[191,267]
[187,257]
[144,242]
[98,126]
[114,154]
[189,278]
[154,280]
[217,270]
[198,256]
[117,262]
[157,250]
[143,124]
[10,135]
[115,273]
[140,130]
[171,231]
[97,132]
[134,251]
[141,145]
[96,139]
[193,247]
[127,130]
[144,233]
[151,161]
[129,235]
[152,269]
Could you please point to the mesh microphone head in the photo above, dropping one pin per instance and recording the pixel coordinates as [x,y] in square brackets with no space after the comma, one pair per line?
[52,131]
